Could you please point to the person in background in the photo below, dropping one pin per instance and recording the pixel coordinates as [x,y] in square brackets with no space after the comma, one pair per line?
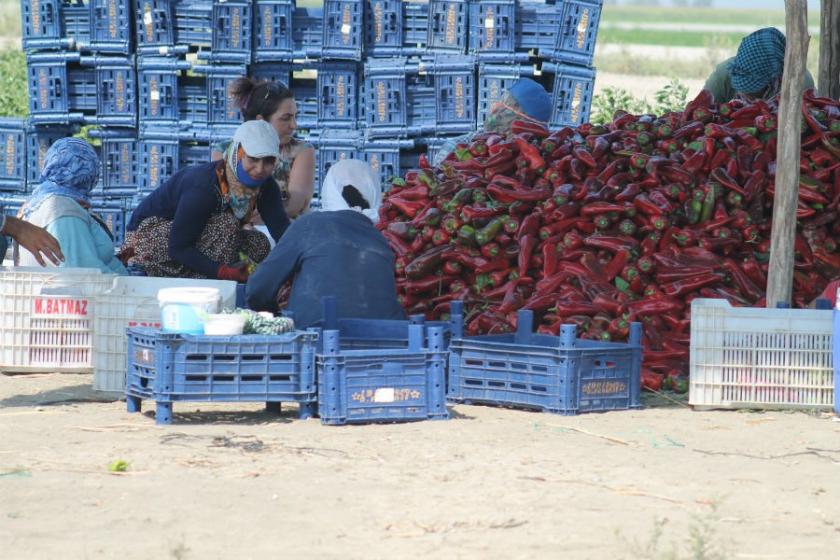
[755,72]
[274,103]
[192,226]
[61,205]
[34,239]
[524,100]
[336,252]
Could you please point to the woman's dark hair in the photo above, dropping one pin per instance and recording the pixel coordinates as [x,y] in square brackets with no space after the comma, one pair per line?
[258,98]
[354,198]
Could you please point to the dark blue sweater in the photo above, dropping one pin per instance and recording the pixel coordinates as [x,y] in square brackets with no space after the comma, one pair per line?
[189,198]
[337,254]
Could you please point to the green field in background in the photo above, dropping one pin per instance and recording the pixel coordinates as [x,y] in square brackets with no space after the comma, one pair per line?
[669,38]
[643,14]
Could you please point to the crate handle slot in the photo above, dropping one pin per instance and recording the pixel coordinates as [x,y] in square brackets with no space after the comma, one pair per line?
[469,362]
[223,378]
[474,382]
[282,378]
[196,378]
[251,378]
[501,384]
[253,357]
[540,388]
[605,365]
[196,357]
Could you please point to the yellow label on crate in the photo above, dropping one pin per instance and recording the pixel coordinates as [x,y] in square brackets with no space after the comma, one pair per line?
[267,26]
[494,92]
[451,25]
[148,20]
[144,356]
[10,155]
[125,163]
[374,162]
[154,95]
[154,161]
[36,15]
[381,101]
[582,27]
[603,387]
[340,93]
[345,24]
[576,99]
[230,106]
[43,146]
[459,97]
[119,85]
[43,81]
[236,25]
[113,27]
[377,21]
[489,28]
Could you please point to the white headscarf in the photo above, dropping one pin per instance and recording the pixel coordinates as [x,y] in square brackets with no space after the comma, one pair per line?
[359,175]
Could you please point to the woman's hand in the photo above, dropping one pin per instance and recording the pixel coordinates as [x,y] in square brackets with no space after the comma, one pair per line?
[34,239]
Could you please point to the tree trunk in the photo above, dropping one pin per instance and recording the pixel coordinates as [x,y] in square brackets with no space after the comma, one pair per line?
[780,275]
[829,72]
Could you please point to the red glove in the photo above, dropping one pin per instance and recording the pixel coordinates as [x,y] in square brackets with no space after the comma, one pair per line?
[237,273]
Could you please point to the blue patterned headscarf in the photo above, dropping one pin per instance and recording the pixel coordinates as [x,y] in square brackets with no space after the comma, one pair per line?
[759,62]
[71,169]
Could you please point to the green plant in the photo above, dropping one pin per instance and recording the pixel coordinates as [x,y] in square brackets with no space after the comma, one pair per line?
[671,97]
[14,97]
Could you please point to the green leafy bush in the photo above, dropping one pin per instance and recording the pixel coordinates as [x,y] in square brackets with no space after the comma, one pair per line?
[672,97]
[14,97]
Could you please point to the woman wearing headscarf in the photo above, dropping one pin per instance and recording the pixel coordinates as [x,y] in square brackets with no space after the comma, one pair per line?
[525,100]
[192,226]
[61,205]
[755,72]
[336,252]
[274,103]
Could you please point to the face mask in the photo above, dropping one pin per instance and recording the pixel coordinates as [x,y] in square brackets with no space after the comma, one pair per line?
[246,179]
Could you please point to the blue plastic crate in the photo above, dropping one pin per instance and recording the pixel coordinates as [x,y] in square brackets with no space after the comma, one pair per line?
[389,157]
[11,204]
[332,145]
[579,28]
[98,26]
[307,32]
[12,155]
[343,30]
[112,211]
[120,161]
[338,94]
[571,93]
[365,385]
[493,31]
[163,151]
[169,368]
[273,35]
[38,141]
[432,95]
[562,375]
[219,31]
[538,25]
[66,88]
[400,28]
[176,91]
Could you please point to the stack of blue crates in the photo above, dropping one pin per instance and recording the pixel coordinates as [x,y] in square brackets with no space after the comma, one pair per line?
[379,80]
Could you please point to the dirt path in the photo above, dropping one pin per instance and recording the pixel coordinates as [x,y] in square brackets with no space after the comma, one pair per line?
[233,482]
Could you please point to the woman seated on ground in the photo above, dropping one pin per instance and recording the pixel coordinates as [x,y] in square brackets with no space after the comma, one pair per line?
[525,100]
[336,252]
[61,205]
[192,225]
[275,104]
[755,72]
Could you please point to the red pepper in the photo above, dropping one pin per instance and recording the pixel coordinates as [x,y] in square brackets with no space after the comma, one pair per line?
[408,207]
[655,306]
[526,247]
[530,153]
[400,247]
[690,284]
[611,243]
[504,195]
[529,127]
[530,225]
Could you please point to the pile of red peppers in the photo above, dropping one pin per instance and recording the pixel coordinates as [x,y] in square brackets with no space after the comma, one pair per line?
[599,226]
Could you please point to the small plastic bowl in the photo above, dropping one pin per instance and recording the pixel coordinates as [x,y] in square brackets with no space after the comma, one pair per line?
[224,324]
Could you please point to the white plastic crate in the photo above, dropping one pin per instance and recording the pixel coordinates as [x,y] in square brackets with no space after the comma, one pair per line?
[132,302]
[46,318]
[749,357]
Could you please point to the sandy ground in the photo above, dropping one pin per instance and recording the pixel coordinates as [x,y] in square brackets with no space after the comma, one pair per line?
[231,481]
[642,86]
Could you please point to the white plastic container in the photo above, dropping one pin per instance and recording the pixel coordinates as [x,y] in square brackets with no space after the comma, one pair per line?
[46,318]
[748,357]
[132,302]
[224,324]
[182,310]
